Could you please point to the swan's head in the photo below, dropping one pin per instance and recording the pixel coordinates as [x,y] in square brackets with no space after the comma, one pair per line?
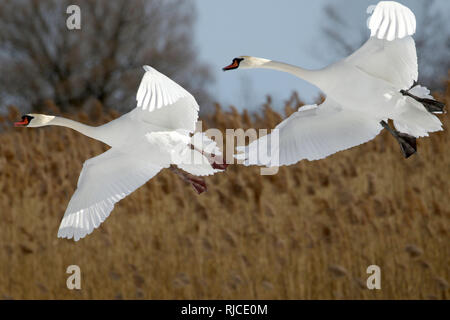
[245,62]
[33,120]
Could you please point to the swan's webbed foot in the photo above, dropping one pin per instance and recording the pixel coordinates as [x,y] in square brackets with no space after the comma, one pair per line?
[219,166]
[197,183]
[218,162]
[431,105]
[407,142]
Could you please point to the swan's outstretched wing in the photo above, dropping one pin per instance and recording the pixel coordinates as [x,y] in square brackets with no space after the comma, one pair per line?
[104,180]
[391,61]
[390,52]
[163,102]
[312,133]
[391,20]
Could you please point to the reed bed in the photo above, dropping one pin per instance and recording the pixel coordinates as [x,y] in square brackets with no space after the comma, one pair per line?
[309,232]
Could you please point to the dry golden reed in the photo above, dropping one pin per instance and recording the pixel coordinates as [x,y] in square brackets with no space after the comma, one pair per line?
[309,232]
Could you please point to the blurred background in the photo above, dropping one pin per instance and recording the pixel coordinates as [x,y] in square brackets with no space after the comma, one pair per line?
[308,232]
[190,41]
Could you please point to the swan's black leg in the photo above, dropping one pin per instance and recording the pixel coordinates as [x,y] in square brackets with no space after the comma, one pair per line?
[407,143]
[431,105]
[199,184]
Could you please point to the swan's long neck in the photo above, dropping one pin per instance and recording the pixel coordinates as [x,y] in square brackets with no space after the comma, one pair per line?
[312,76]
[92,132]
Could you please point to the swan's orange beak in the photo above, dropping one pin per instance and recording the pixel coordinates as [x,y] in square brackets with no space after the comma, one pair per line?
[232,66]
[25,121]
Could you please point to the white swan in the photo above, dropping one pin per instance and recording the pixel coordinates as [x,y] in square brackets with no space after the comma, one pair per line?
[362,91]
[153,136]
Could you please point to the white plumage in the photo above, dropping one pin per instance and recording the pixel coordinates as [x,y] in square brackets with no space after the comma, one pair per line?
[104,180]
[391,20]
[156,91]
[392,61]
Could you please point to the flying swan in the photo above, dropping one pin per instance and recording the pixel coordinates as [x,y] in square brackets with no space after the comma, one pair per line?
[154,135]
[376,83]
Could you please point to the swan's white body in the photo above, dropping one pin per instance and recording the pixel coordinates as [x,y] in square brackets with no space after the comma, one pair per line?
[153,136]
[361,90]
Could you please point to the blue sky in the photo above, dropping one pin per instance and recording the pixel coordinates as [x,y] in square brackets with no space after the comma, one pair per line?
[284,30]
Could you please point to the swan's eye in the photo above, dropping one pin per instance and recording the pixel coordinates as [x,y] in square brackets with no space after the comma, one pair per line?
[234,64]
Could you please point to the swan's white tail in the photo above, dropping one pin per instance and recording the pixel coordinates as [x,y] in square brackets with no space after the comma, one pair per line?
[197,160]
[421,92]
[413,118]
[202,142]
